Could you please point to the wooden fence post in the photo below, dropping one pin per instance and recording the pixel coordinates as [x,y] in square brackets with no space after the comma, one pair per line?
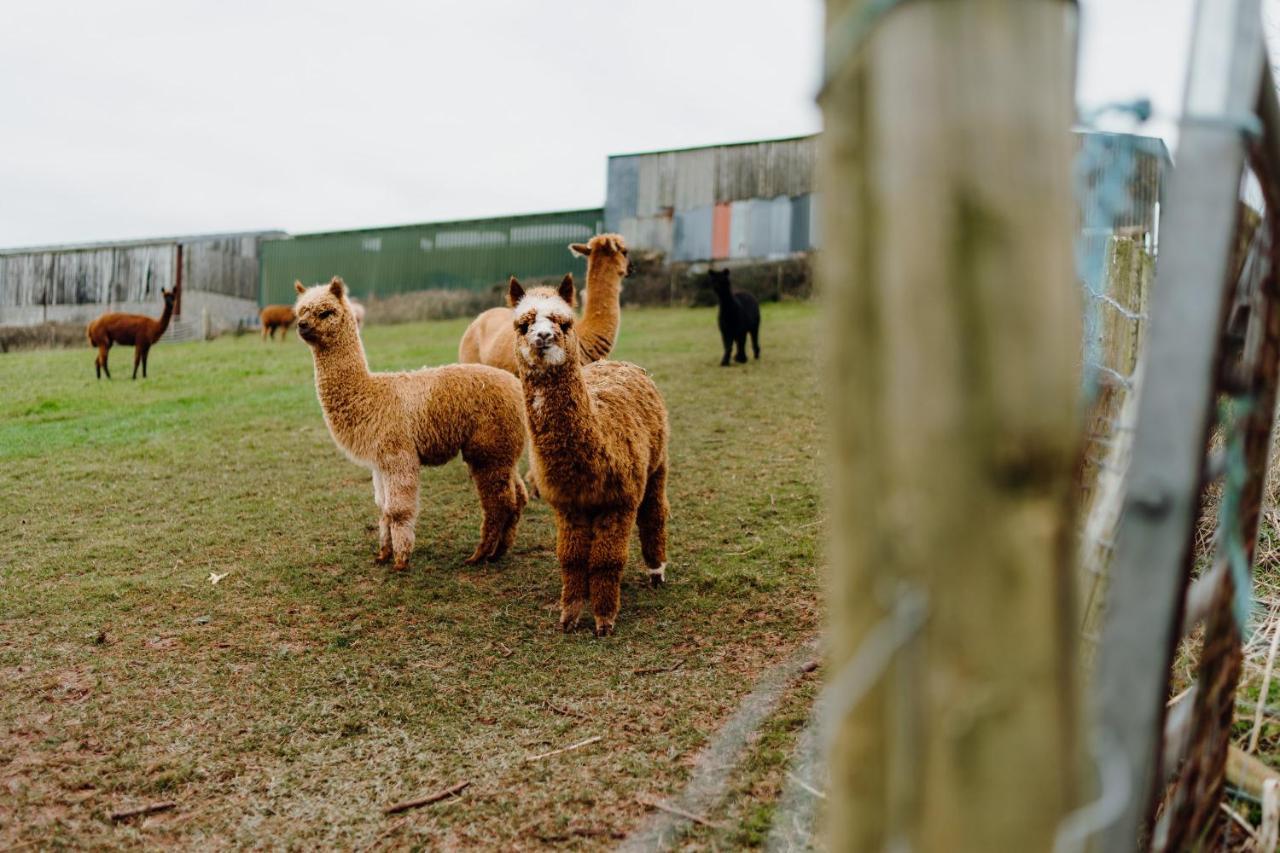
[953,345]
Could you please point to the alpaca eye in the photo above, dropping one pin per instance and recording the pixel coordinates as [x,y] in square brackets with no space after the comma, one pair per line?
[328,312]
[523,327]
[566,325]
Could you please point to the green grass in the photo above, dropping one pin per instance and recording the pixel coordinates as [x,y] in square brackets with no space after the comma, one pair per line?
[292,701]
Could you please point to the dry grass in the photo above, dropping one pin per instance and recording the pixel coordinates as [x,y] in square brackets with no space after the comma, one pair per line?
[42,336]
[423,305]
[308,689]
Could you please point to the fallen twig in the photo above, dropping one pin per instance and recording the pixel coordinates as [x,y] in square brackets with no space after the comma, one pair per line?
[568,748]
[427,800]
[506,652]
[653,670]
[806,786]
[667,807]
[125,814]
[1244,824]
[564,712]
[1266,688]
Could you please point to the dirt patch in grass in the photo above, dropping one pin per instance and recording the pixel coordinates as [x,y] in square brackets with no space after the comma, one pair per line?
[308,689]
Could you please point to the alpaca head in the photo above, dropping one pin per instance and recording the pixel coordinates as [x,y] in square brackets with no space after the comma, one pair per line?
[608,252]
[719,280]
[544,324]
[169,297]
[324,315]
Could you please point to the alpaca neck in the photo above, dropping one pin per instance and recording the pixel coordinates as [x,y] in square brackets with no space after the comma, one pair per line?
[600,318]
[727,302]
[559,407]
[163,323]
[342,373]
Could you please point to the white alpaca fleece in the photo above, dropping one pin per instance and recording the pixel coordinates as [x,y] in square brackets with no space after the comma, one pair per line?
[544,312]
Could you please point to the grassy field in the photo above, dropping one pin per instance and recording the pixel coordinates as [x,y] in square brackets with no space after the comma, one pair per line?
[293,700]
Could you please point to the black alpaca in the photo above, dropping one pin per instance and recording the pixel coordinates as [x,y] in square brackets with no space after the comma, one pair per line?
[739,316]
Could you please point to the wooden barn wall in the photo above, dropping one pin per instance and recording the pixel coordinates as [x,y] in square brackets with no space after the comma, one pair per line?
[133,273]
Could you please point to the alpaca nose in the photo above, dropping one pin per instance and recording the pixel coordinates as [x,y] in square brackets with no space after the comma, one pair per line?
[542,337]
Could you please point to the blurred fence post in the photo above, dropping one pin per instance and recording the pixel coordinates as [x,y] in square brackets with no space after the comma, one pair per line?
[953,349]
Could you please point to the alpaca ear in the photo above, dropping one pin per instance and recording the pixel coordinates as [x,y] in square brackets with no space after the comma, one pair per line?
[297,285]
[567,292]
[580,250]
[514,292]
[336,287]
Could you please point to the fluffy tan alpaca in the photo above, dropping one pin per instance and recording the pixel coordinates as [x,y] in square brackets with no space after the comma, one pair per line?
[491,339]
[394,422]
[599,434]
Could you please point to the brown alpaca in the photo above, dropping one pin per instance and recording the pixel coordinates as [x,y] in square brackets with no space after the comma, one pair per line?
[136,329]
[392,423]
[599,435]
[275,317]
[491,338]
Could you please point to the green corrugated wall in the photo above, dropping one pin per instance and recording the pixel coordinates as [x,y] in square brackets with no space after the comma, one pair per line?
[469,255]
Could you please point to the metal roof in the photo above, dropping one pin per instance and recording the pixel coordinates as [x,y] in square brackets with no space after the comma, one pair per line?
[441,223]
[802,138]
[149,241]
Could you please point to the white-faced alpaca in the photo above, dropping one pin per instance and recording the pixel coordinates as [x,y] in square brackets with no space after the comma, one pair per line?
[599,439]
[393,423]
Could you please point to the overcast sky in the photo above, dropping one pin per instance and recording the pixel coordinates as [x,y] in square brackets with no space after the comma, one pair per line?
[143,118]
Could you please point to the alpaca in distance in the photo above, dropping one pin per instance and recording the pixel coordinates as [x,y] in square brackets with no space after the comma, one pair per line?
[393,423]
[137,330]
[491,338]
[599,443]
[738,317]
[274,317]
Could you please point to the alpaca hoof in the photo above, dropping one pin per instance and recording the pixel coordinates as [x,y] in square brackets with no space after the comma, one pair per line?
[724,363]
[400,565]
[604,629]
[741,359]
[384,556]
[568,622]
[658,576]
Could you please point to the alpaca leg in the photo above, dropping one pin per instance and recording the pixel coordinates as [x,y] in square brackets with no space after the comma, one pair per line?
[102,354]
[137,360]
[400,484]
[384,523]
[728,348]
[608,557]
[652,521]
[522,498]
[265,329]
[573,549]
[498,500]
[741,343]
[97,364]
[755,342]
[284,332]
[145,352]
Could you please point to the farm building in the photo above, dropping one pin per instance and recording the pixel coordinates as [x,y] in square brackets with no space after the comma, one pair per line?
[755,200]
[471,254]
[746,200]
[218,273]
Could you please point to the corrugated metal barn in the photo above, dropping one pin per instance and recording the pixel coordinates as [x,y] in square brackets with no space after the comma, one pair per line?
[746,200]
[756,199]
[219,275]
[465,255]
